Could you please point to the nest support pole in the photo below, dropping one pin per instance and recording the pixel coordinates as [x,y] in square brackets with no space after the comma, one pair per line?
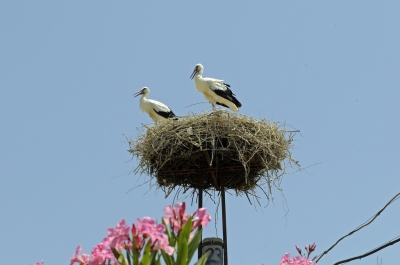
[220,187]
[212,169]
[200,248]
[224,219]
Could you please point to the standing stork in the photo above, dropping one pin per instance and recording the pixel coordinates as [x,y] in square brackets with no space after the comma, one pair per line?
[156,110]
[215,90]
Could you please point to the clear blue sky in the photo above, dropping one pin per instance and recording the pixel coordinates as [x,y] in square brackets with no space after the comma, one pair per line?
[68,70]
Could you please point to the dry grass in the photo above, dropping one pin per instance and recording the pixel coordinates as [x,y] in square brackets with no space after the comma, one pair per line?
[196,151]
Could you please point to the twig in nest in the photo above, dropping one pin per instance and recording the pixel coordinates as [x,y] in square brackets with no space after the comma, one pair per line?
[195,104]
[253,153]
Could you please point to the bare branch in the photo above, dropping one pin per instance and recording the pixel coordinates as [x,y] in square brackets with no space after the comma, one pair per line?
[370,220]
[391,242]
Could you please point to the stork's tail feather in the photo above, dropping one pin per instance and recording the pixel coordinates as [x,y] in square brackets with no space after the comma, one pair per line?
[236,102]
[172,116]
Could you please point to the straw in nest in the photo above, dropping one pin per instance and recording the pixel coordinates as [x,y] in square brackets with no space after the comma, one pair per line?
[196,151]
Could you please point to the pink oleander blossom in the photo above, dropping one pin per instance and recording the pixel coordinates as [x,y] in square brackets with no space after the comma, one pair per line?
[297,260]
[176,216]
[118,238]
[147,227]
[98,257]
[298,249]
[312,247]
[285,259]
[300,260]
[119,235]
[202,218]
[145,231]
[102,252]
[81,259]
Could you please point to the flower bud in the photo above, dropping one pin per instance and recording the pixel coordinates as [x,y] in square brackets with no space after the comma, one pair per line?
[312,247]
[298,250]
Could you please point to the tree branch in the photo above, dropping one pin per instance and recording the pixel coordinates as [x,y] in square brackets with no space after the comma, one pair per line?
[370,220]
[391,242]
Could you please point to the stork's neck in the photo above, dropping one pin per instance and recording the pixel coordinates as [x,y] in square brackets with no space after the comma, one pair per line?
[144,97]
[143,102]
[199,74]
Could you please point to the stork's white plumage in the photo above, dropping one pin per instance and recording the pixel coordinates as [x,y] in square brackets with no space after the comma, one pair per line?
[156,110]
[214,90]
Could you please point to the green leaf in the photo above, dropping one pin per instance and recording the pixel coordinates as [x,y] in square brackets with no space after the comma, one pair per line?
[183,240]
[203,259]
[122,260]
[128,257]
[116,253]
[167,231]
[167,258]
[158,262]
[182,253]
[135,252]
[193,245]
[146,254]
[170,234]
[153,257]
[118,256]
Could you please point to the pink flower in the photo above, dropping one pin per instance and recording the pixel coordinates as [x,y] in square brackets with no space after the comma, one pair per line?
[163,243]
[202,218]
[147,227]
[156,232]
[176,216]
[169,250]
[137,236]
[39,263]
[298,249]
[145,231]
[298,260]
[119,235]
[82,259]
[312,247]
[102,252]
[285,259]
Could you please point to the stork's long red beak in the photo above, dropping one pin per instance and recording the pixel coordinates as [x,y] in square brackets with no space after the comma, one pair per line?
[140,92]
[194,73]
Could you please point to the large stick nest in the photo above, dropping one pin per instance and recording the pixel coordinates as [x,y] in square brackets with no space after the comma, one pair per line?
[201,151]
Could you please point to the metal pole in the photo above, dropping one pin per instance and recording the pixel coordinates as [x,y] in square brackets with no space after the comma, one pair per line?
[224,233]
[199,249]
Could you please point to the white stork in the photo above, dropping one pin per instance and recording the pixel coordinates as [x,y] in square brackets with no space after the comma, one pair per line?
[156,110]
[214,90]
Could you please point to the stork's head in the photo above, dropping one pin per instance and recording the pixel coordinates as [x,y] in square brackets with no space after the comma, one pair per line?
[198,69]
[143,91]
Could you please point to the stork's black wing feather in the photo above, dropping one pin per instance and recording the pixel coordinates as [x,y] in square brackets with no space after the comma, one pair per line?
[227,94]
[165,114]
[222,104]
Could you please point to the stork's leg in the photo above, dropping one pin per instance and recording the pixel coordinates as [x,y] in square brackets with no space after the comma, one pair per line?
[213,104]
